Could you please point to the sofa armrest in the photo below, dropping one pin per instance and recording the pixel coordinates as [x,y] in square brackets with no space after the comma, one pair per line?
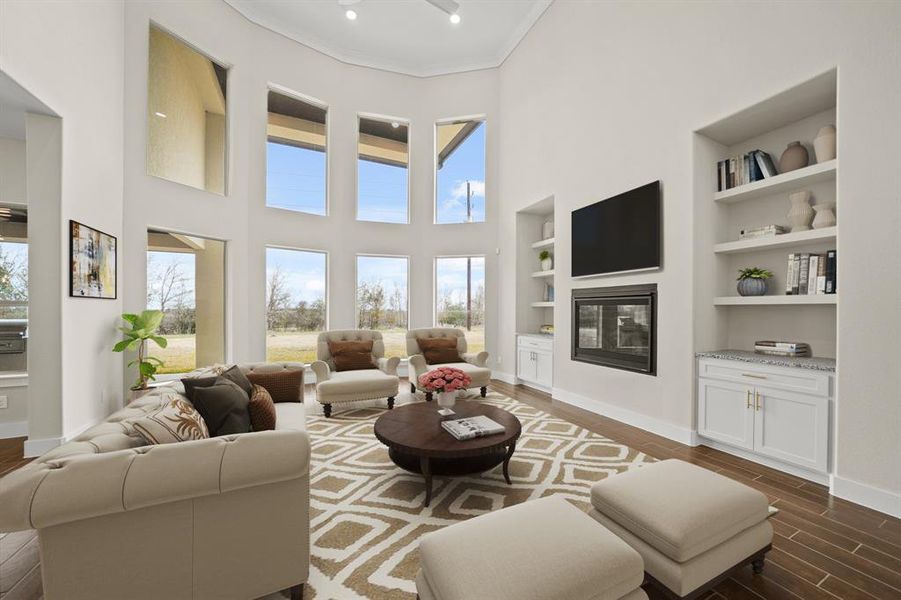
[479,359]
[84,486]
[388,365]
[418,367]
[321,369]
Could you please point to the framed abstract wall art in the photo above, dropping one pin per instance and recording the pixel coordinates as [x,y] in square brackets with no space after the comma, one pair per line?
[92,262]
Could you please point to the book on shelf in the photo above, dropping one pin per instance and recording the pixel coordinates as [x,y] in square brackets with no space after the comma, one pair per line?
[752,166]
[472,427]
[753,233]
[810,274]
[831,282]
[785,346]
[803,273]
[769,352]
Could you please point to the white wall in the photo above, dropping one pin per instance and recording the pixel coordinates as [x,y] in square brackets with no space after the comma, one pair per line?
[260,58]
[69,55]
[602,97]
[12,171]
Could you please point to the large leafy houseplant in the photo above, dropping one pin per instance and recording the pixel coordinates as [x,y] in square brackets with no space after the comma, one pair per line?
[141,328]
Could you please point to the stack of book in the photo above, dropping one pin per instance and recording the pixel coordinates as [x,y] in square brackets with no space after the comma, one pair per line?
[747,168]
[761,232]
[782,348]
[810,274]
[472,427]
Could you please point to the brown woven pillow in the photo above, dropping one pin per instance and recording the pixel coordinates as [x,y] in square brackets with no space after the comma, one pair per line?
[261,409]
[283,386]
[351,356]
[439,350]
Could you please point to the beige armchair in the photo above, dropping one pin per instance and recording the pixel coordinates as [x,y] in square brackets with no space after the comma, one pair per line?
[473,362]
[333,386]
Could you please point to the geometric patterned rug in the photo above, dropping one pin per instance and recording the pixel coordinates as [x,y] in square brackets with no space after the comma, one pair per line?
[366,514]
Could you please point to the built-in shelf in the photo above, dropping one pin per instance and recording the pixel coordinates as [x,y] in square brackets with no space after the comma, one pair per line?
[799,238]
[542,305]
[785,182]
[774,300]
[543,273]
[543,243]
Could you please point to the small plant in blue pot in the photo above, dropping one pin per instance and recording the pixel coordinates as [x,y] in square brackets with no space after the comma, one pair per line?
[752,281]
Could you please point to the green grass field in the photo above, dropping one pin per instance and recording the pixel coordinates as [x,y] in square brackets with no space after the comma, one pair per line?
[178,356]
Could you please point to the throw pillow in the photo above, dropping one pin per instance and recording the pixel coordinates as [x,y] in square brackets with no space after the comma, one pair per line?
[192,383]
[284,386]
[233,373]
[261,409]
[174,421]
[439,350]
[236,375]
[351,356]
[223,406]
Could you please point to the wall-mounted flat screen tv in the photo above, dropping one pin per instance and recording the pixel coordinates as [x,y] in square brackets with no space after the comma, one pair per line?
[621,233]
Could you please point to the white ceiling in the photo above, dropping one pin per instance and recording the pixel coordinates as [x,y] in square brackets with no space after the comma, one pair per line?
[15,101]
[405,36]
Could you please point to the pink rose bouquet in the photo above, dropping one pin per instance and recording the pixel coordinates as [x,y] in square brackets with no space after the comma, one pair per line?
[444,379]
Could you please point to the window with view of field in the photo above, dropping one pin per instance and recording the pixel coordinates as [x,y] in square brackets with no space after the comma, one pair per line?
[460,176]
[383,157]
[382,299]
[186,281]
[460,297]
[295,303]
[13,280]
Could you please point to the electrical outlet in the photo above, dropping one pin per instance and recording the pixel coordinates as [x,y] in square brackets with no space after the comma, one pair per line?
[4,402]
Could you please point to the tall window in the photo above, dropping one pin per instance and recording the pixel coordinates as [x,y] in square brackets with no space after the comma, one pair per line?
[383,157]
[460,297]
[460,179]
[295,303]
[186,280]
[296,169]
[186,114]
[382,299]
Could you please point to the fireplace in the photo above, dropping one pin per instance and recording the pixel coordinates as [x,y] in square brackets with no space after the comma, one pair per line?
[616,327]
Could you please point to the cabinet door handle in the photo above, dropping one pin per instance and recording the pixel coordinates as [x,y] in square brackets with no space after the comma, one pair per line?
[754,375]
[757,399]
[748,404]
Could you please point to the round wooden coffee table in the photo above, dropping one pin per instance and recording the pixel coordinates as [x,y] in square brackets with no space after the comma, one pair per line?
[417,442]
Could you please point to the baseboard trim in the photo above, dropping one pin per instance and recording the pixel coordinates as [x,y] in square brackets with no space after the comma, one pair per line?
[505,377]
[866,495]
[821,478]
[662,428]
[13,429]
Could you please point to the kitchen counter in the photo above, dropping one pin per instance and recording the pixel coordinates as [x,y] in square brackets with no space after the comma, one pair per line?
[813,363]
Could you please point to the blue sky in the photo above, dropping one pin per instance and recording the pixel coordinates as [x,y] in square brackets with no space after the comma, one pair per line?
[467,163]
[390,270]
[382,192]
[295,178]
[450,275]
[304,272]
[157,262]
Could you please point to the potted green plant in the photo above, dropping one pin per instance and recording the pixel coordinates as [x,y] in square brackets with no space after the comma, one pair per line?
[140,329]
[752,281]
[547,262]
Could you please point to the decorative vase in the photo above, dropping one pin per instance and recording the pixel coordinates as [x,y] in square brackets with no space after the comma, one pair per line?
[824,143]
[547,230]
[794,157]
[825,217]
[752,287]
[800,213]
[547,264]
[447,399]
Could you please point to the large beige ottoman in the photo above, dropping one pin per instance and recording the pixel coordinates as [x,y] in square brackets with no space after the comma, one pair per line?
[537,550]
[691,526]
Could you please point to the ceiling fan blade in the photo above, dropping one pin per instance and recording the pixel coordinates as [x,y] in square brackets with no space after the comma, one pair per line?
[448,6]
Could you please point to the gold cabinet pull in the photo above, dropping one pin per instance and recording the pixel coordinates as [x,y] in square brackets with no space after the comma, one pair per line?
[757,399]
[748,405]
[754,375]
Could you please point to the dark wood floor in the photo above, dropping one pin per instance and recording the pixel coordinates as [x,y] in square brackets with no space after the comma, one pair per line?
[825,547]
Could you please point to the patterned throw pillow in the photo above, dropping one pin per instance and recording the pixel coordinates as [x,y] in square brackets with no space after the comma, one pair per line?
[262,409]
[174,421]
[351,356]
[439,351]
[284,386]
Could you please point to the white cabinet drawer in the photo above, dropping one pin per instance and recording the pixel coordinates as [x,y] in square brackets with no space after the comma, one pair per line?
[535,343]
[783,378]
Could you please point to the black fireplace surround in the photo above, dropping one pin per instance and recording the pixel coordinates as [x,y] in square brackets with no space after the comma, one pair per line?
[616,327]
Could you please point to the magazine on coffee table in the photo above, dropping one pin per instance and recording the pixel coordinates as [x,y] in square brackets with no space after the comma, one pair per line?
[472,427]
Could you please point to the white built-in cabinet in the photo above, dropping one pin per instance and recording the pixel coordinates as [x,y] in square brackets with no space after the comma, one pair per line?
[779,413]
[535,360]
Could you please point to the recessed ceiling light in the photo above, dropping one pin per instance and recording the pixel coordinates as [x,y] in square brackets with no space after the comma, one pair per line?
[160,115]
[455,18]
[395,124]
[350,14]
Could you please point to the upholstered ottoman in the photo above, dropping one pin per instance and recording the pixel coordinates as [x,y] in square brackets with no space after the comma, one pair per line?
[537,550]
[691,526]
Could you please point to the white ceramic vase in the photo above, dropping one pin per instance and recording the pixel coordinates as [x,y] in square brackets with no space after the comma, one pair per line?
[800,213]
[825,217]
[547,264]
[547,230]
[824,143]
[447,399]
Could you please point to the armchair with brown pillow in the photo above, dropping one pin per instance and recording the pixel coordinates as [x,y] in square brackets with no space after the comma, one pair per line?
[352,366]
[445,347]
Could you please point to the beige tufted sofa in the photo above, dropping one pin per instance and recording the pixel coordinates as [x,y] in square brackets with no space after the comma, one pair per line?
[223,518]
[474,362]
[333,387]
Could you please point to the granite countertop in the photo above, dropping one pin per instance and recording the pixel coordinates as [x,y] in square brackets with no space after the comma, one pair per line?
[813,363]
